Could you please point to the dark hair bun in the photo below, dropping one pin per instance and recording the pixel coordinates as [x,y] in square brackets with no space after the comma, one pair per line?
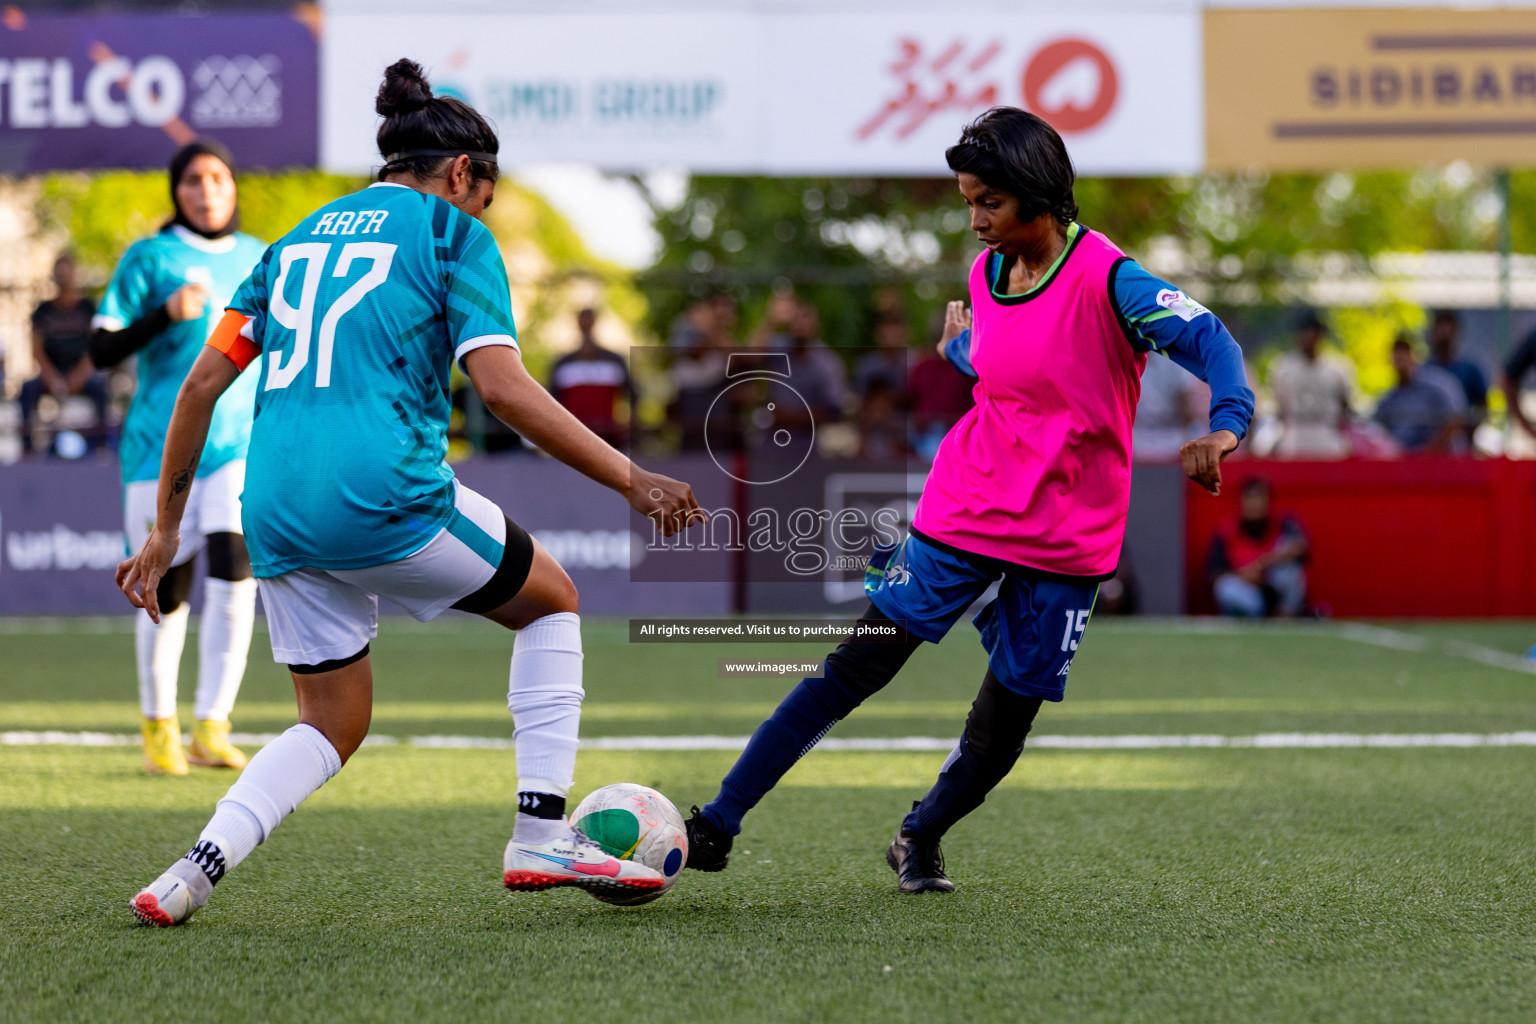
[405,89]
[418,127]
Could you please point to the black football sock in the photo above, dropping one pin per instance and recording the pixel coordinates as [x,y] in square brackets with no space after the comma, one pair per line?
[540,805]
[209,859]
[993,739]
[853,672]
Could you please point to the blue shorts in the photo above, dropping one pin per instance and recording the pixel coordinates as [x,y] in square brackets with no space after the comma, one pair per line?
[1031,631]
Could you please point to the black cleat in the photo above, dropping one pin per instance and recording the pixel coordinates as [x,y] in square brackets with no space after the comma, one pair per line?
[919,866]
[709,849]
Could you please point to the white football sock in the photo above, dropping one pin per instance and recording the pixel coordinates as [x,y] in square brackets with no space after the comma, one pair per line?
[536,831]
[223,643]
[544,695]
[157,650]
[281,776]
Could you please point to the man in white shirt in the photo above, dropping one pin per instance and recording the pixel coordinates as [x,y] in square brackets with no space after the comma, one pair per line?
[1312,392]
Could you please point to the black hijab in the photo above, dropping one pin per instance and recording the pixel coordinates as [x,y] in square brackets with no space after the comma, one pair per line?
[179,162]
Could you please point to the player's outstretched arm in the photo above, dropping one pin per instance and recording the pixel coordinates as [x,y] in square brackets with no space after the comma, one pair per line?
[515,398]
[140,575]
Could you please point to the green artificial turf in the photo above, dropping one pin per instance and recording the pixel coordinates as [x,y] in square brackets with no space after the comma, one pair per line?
[1139,885]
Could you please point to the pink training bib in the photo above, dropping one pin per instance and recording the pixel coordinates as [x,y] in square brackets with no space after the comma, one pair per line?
[1039,472]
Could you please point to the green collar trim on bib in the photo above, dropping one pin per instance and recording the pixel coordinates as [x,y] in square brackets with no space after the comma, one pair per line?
[999,266]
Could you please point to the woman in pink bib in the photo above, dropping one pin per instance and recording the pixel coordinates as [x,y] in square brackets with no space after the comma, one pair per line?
[1029,490]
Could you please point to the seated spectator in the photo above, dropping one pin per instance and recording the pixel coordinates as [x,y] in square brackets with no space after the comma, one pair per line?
[61,332]
[886,366]
[1425,411]
[1444,339]
[937,396]
[816,373]
[1171,410]
[1257,559]
[591,382]
[1312,393]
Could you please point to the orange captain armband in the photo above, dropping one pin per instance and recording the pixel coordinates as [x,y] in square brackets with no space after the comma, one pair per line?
[230,338]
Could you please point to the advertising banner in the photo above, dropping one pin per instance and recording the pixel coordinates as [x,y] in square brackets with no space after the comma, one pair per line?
[886,93]
[98,90]
[782,91]
[617,91]
[1379,87]
[61,537]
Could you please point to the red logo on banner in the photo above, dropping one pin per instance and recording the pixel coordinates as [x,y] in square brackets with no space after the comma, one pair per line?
[952,79]
[1064,113]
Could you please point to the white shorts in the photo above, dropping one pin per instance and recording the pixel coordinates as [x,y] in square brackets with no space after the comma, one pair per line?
[213,506]
[319,615]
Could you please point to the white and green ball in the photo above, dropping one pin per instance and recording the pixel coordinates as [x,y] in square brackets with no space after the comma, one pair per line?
[636,823]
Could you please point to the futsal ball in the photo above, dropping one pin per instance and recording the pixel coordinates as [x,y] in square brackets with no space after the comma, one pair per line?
[635,823]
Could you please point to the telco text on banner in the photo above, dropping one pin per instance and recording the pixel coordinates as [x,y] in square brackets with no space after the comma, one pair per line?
[88,91]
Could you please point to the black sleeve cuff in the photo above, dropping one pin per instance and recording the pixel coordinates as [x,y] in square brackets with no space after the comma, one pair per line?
[108,348]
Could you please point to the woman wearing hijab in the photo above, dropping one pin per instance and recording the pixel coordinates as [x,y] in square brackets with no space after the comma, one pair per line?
[161,304]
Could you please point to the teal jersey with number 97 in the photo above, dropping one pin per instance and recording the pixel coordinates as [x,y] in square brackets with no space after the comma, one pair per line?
[359,313]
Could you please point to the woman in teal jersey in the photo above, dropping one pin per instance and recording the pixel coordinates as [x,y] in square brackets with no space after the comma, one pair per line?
[356,317]
[159,306]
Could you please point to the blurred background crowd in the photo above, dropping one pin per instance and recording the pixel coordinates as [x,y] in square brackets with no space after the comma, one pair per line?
[1377,325]
[878,391]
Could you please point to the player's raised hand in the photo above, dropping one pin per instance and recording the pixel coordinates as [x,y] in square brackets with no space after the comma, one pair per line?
[187,302]
[669,503]
[957,319]
[1202,458]
[139,577]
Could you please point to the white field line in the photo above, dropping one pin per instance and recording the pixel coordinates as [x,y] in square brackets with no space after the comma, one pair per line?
[1265,741]
[1376,636]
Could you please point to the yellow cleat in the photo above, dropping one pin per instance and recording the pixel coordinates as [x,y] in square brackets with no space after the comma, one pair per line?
[162,747]
[211,746]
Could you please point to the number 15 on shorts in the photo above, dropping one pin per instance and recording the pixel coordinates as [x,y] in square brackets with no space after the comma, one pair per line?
[1077,621]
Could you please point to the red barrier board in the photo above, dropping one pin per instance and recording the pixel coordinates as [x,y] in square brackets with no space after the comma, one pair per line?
[1411,538]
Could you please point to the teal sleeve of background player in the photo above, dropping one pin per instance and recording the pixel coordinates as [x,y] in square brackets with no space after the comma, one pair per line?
[957,351]
[123,301]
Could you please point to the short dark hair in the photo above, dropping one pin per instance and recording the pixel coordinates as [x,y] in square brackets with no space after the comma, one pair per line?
[1018,152]
[1402,341]
[1255,483]
[421,131]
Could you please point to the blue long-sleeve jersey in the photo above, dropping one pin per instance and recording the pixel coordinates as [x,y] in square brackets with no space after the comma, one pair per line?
[1160,319]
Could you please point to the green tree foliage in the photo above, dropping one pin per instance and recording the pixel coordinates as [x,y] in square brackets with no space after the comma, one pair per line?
[102,214]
